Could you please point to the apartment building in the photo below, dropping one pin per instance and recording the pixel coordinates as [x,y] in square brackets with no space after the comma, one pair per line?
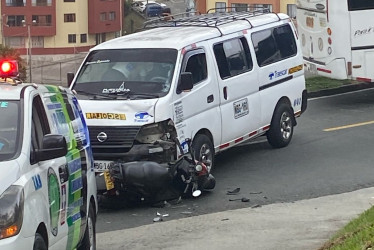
[284,6]
[59,26]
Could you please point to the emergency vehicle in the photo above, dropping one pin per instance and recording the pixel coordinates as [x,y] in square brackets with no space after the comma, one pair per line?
[47,184]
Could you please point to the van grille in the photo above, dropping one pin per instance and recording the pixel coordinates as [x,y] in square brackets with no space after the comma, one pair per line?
[116,136]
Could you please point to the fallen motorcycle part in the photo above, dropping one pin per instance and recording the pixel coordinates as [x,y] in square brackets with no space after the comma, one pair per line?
[196,193]
[235,191]
[244,199]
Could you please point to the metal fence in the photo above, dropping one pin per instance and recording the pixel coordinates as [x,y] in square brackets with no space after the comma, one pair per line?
[54,72]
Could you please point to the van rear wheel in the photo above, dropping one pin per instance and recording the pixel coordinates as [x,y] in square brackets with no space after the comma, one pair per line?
[281,127]
[204,150]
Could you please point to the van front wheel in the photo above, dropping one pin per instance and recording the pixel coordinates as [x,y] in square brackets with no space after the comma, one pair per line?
[281,127]
[89,238]
[39,242]
[204,150]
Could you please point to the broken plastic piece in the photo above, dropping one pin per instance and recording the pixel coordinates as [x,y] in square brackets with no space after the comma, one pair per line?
[244,199]
[235,191]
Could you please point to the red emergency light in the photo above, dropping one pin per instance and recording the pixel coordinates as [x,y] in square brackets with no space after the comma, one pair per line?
[8,68]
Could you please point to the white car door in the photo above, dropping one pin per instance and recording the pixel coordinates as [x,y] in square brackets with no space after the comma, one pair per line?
[198,109]
[239,91]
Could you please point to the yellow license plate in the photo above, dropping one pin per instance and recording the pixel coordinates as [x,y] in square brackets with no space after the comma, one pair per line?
[108,181]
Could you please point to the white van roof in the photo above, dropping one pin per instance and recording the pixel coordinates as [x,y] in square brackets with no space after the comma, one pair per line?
[182,32]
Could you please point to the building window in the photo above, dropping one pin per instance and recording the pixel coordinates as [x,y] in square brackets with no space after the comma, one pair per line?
[237,7]
[102,16]
[15,3]
[72,38]
[83,38]
[41,3]
[15,21]
[69,18]
[267,7]
[15,41]
[291,10]
[221,6]
[112,16]
[69,0]
[42,20]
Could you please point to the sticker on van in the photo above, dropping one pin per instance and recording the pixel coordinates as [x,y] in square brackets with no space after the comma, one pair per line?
[241,108]
[3,104]
[142,116]
[277,74]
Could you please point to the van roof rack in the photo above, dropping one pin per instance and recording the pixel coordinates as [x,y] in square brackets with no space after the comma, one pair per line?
[210,19]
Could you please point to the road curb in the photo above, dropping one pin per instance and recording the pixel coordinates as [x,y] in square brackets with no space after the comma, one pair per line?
[342,89]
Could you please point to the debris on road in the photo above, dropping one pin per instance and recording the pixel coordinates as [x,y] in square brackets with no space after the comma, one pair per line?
[244,199]
[233,192]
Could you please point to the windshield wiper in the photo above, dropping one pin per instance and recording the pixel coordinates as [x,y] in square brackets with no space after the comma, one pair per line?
[94,96]
[128,94]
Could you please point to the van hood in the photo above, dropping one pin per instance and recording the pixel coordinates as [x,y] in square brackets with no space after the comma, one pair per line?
[119,112]
[10,173]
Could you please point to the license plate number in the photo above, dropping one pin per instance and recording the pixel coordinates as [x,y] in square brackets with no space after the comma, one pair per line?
[101,166]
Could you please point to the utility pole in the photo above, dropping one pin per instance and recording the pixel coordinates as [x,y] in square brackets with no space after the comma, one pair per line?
[29,47]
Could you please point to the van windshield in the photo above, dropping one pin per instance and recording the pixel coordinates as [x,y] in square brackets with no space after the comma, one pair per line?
[9,129]
[136,73]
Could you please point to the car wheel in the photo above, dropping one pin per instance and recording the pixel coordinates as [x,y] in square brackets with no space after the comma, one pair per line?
[204,150]
[281,127]
[89,238]
[39,242]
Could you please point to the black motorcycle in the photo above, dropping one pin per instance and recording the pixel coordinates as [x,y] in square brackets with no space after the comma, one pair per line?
[151,182]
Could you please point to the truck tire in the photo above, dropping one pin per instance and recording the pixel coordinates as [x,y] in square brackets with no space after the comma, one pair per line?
[204,150]
[89,238]
[39,242]
[281,127]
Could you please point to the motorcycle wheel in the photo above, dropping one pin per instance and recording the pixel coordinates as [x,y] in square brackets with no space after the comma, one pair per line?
[204,150]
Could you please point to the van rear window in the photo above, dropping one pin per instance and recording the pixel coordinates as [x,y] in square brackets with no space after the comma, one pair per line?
[273,45]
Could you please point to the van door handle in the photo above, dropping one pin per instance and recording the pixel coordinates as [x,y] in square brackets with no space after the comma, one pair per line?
[225,93]
[210,99]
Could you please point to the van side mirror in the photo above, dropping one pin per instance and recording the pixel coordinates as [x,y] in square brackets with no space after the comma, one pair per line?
[54,146]
[70,77]
[185,82]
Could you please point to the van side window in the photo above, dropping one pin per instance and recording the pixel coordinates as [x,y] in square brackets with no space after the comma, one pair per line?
[39,126]
[196,64]
[273,45]
[233,57]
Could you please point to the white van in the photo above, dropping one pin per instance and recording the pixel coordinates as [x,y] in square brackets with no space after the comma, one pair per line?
[47,181]
[219,79]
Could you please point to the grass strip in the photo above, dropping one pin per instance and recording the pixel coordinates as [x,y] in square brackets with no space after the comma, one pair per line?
[356,235]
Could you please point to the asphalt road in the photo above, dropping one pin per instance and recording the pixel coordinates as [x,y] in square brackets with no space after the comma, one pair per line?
[316,163]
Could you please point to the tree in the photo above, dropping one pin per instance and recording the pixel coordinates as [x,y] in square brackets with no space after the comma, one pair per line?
[10,53]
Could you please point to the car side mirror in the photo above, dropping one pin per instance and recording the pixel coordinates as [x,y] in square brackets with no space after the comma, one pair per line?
[53,146]
[185,82]
[70,77]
